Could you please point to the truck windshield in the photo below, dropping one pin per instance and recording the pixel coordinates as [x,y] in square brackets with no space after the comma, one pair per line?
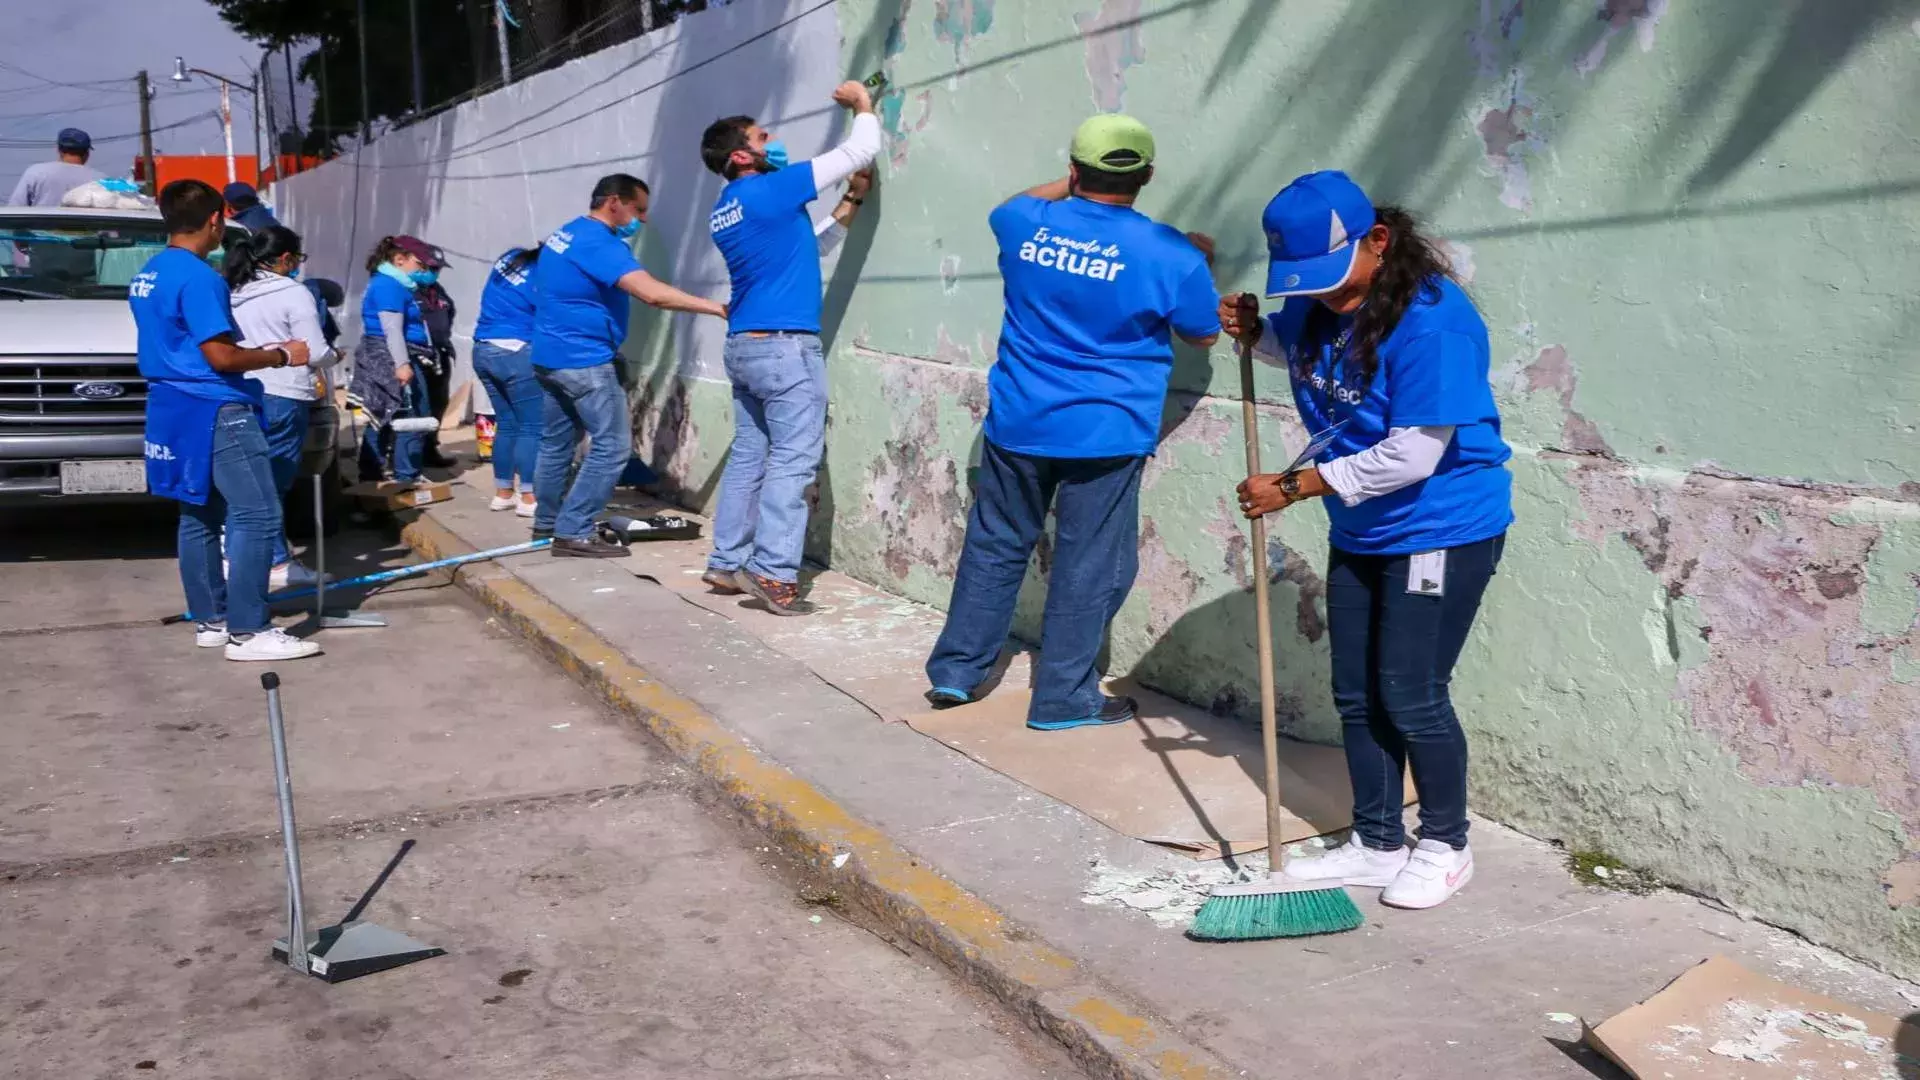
[63,259]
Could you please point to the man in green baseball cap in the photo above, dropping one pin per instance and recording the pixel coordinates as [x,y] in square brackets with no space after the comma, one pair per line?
[1095,293]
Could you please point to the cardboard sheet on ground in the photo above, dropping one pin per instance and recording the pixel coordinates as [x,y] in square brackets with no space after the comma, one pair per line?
[1178,777]
[1720,1021]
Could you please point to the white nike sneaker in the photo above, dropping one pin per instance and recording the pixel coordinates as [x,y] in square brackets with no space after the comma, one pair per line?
[1435,872]
[272,643]
[210,635]
[1352,863]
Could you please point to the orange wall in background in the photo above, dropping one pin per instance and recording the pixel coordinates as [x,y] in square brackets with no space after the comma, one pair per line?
[212,168]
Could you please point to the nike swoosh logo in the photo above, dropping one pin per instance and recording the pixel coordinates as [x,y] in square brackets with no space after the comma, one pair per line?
[1454,878]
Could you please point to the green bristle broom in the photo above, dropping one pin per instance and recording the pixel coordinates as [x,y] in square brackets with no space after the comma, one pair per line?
[1272,908]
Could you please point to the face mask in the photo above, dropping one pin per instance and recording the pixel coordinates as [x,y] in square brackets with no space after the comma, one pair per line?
[775,154]
[628,231]
[425,277]
[399,275]
[293,274]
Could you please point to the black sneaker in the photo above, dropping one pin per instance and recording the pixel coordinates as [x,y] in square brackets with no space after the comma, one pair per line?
[591,548]
[1113,710]
[543,534]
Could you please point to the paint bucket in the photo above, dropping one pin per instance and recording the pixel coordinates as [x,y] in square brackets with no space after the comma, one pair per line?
[483,428]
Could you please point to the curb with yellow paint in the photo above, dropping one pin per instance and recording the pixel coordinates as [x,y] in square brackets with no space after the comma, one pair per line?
[1106,1035]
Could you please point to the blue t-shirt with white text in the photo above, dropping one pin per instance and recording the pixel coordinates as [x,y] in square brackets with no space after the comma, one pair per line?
[1094,293]
[1432,371]
[761,227]
[580,313]
[385,294]
[178,302]
[506,303]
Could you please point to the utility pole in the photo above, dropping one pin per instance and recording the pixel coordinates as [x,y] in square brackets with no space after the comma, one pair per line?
[326,100]
[150,183]
[646,16]
[413,39]
[259,125]
[500,26]
[366,123]
[293,94]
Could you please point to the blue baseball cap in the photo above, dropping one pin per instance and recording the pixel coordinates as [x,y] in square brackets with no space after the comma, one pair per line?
[1313,231]
[73,141]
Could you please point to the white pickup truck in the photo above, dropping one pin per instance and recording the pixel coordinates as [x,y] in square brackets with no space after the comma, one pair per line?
[72,402]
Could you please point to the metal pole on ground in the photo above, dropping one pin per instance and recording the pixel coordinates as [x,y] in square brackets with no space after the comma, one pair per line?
[347,620]
[296,951]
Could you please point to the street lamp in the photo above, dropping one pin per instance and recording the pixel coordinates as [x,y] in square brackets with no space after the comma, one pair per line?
[182,73]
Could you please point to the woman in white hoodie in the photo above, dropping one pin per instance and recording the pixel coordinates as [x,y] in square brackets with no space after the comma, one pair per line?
[270,304]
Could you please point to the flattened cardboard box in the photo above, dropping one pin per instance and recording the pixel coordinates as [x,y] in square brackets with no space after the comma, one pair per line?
[1720,1021]
[393,495]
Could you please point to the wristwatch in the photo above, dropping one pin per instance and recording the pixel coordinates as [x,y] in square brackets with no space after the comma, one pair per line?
[1290,485]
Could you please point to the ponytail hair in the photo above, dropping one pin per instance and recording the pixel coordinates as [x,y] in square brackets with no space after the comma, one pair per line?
[383,252]
[1411,270]
[520,259]
[251,255]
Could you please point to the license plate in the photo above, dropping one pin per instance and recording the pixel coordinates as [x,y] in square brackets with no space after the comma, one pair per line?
[121,477]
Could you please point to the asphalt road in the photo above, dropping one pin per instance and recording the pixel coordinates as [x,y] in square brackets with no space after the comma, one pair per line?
[598,921]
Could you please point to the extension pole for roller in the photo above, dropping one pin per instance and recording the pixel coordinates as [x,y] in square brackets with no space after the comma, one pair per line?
[283,787]
[351,620]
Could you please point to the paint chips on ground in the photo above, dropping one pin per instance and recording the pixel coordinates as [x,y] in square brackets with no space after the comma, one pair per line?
[1720,1021]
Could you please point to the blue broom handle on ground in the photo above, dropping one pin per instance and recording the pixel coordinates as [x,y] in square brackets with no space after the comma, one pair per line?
[396,574]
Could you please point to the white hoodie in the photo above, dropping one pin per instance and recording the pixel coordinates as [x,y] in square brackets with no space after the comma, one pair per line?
[271,309]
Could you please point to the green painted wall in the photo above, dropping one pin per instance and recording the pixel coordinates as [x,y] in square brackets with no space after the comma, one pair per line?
[1694,228]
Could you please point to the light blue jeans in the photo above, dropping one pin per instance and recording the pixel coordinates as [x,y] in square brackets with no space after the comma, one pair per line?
[590,400]
[779,430]
[244,502]
[519,407]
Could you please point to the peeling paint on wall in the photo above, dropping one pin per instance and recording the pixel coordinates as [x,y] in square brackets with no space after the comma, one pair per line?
[1508,140]
[1114,44]
[1552,370]
[1642,16]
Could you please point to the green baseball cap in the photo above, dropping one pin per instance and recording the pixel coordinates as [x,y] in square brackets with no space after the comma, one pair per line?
[1113,142]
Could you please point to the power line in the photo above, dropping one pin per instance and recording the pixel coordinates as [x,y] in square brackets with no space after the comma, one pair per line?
[18,70]
[37,144]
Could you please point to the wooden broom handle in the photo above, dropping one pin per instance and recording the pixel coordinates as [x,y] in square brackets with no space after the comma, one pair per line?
[1262,608]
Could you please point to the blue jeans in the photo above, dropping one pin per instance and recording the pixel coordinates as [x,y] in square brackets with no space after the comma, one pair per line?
[779,431]
[1096,509]
[519,408]
[588,399]
[286,432]
[1393,656]
[407,446]
[245,502]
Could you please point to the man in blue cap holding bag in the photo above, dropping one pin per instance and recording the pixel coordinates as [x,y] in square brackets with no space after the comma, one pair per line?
[1095,293]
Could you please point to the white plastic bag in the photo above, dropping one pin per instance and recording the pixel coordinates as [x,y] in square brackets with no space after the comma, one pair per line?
[107,194]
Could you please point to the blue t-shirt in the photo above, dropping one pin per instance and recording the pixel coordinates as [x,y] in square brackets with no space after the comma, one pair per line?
[580,314]
[761,227]
[1094,294]
[506,304]
[179,301]
[385,294]
[1432,371]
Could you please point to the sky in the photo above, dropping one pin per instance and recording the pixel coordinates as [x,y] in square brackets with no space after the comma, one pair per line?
[71,63]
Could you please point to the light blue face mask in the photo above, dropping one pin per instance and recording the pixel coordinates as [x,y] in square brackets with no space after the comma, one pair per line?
[775,153]
[293,274]
[628,231]
[425,277]
[389,270]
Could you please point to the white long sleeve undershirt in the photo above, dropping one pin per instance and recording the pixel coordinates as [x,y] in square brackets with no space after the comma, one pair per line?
[858,152]
[1406,456]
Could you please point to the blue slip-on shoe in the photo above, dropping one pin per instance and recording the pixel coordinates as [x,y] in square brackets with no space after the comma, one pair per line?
[1113,711]
[946,697]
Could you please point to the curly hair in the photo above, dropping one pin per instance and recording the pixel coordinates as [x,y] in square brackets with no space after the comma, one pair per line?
[1411,269]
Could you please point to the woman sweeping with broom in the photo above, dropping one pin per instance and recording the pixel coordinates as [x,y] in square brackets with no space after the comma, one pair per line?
[1388,356]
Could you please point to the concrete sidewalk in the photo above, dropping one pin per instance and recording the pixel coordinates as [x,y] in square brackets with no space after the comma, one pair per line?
[1080,929]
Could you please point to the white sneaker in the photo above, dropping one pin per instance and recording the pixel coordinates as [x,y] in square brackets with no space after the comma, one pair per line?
[525,509]
[210,635]
[1435,873]
[272,643]
[1352,863]
[503,502]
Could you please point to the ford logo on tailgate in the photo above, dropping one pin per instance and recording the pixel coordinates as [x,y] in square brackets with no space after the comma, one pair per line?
[99,391]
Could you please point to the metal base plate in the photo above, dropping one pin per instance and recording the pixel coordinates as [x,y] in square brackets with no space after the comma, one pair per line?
[350,950]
